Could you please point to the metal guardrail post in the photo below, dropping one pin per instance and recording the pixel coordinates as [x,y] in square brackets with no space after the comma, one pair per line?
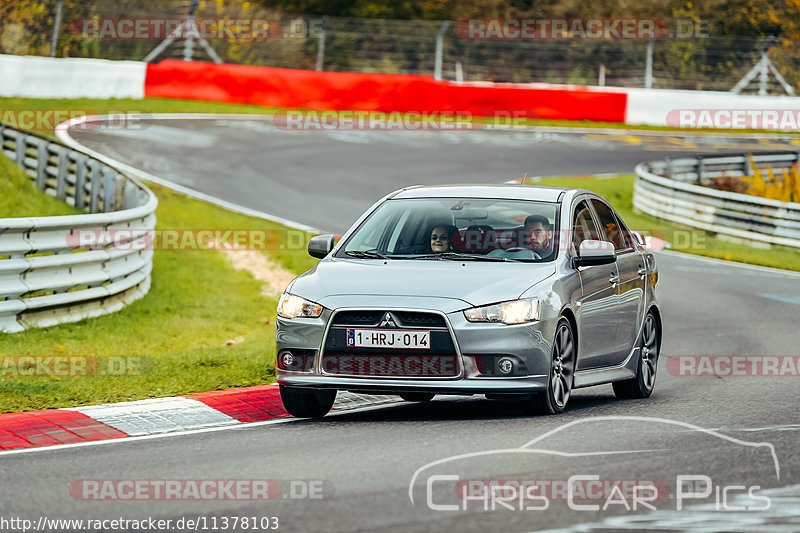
[21,147]
[94,192]
[109,181]
[61,174]
[80,181]
[699,179]
[747,169]
[41,164]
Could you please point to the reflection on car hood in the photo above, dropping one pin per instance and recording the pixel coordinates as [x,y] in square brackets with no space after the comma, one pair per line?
[475,283]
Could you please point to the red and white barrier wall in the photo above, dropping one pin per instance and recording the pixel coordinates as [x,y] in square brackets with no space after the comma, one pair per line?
[276,87]
[45,77]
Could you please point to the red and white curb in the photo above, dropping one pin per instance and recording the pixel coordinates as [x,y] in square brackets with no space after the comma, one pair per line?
[156,416]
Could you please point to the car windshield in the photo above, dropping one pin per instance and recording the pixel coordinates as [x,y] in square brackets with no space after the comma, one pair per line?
[457,229]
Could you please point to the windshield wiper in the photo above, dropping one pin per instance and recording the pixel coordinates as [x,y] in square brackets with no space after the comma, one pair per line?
[366,254]
[456,256]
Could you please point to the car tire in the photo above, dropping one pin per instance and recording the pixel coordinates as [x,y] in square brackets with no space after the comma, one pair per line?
[417,396]
[304,403]
[641,385]
[562,372]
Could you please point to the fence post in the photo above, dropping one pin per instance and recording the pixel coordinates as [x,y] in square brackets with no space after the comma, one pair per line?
[56,28]
[437,67]
[648,72]
[321,44]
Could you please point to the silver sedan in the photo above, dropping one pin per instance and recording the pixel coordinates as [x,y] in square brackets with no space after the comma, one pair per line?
[514,292]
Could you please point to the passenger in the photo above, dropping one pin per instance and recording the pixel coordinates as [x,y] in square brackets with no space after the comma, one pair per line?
[541,234]
[442,238]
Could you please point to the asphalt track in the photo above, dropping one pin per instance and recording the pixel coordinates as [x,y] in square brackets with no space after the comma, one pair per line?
[373,462]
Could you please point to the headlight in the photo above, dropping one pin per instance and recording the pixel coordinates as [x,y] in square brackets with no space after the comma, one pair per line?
[291,306]
[513,312]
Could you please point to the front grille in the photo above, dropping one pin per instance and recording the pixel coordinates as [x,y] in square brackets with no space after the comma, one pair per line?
[411,319]
[403,319]
[357,318]
[439,360]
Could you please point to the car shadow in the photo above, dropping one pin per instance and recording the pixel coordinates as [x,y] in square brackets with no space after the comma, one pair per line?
[451,408]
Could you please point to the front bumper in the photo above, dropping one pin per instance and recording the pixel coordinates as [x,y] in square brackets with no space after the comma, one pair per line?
[529,342]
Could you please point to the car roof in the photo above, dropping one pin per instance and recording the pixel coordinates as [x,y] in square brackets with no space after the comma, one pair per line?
[508,191]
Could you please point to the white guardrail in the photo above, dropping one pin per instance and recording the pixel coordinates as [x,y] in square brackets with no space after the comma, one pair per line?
[674,190]
[46,277]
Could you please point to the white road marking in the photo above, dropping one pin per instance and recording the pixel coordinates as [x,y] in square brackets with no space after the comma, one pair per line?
[157,415]
[237,427]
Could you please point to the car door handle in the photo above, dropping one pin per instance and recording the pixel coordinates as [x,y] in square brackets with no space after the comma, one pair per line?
[613,279]
[642,272]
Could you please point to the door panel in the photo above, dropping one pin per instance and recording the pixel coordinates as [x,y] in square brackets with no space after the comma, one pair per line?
[631,285]
[597,316]
[596,310]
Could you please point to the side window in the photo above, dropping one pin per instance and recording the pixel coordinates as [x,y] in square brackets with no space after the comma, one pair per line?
[625,233]
[608,224]
[583,226]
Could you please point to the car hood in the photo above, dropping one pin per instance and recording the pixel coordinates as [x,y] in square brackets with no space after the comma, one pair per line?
[473,283]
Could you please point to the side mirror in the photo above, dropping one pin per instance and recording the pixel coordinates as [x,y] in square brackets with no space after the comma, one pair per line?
[595,253]
[321,245]
[639,236]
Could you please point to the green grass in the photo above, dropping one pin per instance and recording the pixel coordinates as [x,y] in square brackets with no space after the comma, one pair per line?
[175,337]
[19,197]
[619,192]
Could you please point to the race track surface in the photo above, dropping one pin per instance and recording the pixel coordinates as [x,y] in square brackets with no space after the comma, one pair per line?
[735,431]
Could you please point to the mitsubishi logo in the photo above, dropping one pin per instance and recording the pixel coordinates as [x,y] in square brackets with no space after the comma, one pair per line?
[387,322]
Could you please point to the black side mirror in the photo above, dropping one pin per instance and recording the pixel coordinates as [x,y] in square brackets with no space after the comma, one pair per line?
[321,245]
[595,253]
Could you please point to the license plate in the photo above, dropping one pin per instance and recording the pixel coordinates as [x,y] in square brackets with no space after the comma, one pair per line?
[389,338]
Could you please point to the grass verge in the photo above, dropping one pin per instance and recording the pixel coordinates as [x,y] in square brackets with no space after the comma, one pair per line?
[173,341]
[19,197]
[618,190]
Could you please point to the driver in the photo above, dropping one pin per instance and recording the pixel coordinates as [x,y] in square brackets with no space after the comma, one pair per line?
[541,234]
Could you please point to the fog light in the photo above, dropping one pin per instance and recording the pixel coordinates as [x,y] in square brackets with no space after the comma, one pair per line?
[287,358]
[505,365]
